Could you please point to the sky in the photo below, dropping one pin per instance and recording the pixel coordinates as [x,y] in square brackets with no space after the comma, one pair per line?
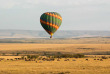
[76,14]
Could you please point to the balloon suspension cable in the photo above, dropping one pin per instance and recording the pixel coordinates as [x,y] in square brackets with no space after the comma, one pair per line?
[51,36]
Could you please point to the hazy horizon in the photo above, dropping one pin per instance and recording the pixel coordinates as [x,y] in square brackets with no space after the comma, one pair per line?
[58,30]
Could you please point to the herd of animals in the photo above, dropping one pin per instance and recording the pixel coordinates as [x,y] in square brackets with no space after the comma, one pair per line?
[41,59]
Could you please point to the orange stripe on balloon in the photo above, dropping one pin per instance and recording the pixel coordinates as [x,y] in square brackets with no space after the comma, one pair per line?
[50,24]
[54,15]
[49,32]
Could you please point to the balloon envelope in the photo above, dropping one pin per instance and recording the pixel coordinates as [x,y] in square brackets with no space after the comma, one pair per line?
[51,21]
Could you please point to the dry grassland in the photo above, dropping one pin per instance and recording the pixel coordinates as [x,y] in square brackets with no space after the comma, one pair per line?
[80,66]
[68,48]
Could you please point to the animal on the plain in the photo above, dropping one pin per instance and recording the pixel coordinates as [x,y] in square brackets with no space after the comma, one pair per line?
[27,59]
[44,59]
[66,60]
[1,58]
[8,59]
[97,59]
[101,60]
[16,58]
[73,60]
[11,59]
[58,59]
[86,59]
[94,59]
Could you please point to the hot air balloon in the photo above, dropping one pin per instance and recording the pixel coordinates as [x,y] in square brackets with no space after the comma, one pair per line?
[51,21]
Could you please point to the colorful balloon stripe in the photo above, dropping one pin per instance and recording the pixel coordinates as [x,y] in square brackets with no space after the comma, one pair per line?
[49,32]
[50,24]
[53,15]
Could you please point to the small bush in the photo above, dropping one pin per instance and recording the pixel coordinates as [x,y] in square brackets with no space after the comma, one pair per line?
[3,54]
[32,56]
[78,56]
[17,54]
[22,57]
[104,57]
[69,56]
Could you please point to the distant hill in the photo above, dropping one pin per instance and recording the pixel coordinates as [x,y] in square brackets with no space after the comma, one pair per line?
[58,34]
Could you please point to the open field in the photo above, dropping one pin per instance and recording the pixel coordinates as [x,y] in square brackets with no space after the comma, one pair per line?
[92,50]
[8,48]
[78,66]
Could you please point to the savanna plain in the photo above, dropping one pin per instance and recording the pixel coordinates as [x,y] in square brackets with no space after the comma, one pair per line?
[73,56]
